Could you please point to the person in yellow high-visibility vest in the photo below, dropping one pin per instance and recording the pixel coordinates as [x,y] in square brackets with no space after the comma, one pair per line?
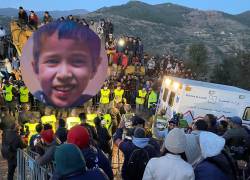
[73,119]
[31,128]
[108,122]
[23,95]
[152,101]
[140,100]
[90,116]
[118,92]
[8,96]
[49,118]
[104,100]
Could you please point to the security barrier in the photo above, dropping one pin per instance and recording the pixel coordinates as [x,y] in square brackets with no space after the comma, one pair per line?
[28,169]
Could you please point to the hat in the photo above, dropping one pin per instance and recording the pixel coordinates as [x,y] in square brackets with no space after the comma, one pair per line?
[47,135]
[192,151]
[139,133]
[235,120]
[175,141]
[79,136]
[69,159]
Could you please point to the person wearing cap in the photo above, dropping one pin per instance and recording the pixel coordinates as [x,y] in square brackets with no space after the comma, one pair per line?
[139,141]
[94,157]
[236,129]
[171,166]
[70,164]
[50,141]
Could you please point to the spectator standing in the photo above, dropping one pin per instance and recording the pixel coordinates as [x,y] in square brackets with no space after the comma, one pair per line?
[168,166]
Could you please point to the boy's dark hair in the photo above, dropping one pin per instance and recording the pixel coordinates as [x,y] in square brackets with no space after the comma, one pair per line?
[47,126]
[212,119]
[67,30]
[201,125]
[39,128]
[61,122]
[82,116]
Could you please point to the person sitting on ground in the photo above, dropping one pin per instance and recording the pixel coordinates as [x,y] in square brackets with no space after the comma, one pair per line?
[22,17]
[47,18]
[94,157]
[71,165]
[168,166]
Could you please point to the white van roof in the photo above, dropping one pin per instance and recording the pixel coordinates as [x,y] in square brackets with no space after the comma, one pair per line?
[208,85]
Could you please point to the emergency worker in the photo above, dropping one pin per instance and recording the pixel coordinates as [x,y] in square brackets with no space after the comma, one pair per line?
[118,92]
[91,115]
[140,100]
[73,119]
[49,118]
[23,95]
[104,100]
[31,128]
[152,101]
[8,97]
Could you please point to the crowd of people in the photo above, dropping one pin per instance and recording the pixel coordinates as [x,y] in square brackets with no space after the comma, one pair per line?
[80,142]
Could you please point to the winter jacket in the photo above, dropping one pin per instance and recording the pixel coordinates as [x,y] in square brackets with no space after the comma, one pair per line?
[169,167]
[127,147]
[95,174]
[13,140]
[95,158]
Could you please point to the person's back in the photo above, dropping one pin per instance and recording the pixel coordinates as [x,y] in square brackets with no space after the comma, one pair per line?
[73,166]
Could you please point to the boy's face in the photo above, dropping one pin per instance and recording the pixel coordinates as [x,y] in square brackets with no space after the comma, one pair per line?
[64,70]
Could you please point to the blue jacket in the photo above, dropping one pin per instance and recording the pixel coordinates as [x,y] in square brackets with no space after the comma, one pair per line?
[95,174]
[207,171]
[128,146]
[95,158]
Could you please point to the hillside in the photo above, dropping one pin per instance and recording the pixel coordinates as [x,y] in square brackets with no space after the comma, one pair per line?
[173,28]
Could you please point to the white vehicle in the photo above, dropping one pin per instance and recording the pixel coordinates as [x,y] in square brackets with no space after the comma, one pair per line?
[195,99]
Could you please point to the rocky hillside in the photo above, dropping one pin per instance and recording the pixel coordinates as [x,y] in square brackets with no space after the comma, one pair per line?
[173,28]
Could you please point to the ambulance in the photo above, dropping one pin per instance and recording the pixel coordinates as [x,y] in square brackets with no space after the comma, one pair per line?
[195,99]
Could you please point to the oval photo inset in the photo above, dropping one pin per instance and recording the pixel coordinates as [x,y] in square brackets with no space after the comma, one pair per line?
[64,64]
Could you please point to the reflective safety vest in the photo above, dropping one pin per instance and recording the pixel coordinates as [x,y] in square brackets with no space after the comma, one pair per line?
[49,120]
[24,94]
[8,93]
[108,121]
[152,98]
[118,95]
[90,119]
[104,96]
[141,98]
[32,129]
[72,121]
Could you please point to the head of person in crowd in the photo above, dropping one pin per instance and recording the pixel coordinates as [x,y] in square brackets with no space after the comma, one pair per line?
[21,10]
[46,14]
[175,142]
[47,126]
[47,136]
[66,57]
[222,127]
[69,160]
[83,117]
[79,136]
[211,122]
[200,125]
[39,128]
[171,125]
[91,22]
[137,121]
[235,122]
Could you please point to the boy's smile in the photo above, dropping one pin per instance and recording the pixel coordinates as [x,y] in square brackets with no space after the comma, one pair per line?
[64,70]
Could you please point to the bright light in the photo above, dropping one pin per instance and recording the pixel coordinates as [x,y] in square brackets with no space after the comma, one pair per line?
[121,42]
[168,82]
[176,85]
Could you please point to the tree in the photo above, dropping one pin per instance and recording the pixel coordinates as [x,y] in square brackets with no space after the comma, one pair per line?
[198,59]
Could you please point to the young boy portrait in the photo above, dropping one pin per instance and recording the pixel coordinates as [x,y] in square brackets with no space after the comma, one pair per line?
[66,56]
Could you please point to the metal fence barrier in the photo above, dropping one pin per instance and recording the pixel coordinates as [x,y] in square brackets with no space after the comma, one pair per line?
[28,169]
